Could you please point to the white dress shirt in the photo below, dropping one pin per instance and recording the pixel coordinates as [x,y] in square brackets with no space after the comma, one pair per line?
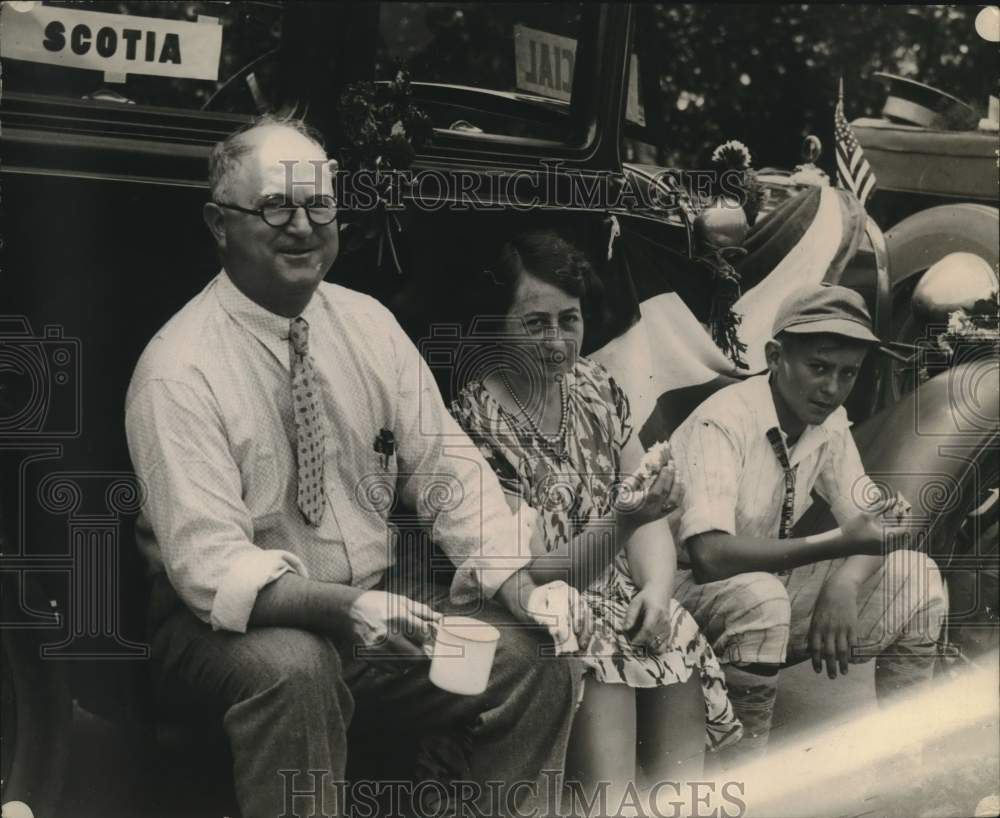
[733,481]
[211,432]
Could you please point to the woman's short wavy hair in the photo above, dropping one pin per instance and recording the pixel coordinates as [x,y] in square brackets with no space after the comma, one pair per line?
[547,255]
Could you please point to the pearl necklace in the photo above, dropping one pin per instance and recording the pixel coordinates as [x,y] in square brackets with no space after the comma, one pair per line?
[556,442]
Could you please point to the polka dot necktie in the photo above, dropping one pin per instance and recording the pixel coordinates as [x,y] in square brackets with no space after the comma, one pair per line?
[310,446]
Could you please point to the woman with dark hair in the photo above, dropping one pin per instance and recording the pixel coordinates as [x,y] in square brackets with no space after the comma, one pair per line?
[556,429]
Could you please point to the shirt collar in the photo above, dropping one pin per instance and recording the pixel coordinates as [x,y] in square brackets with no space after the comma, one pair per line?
[267,327]
[812,437]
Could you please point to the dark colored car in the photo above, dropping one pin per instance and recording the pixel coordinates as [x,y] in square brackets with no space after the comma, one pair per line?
[103,180]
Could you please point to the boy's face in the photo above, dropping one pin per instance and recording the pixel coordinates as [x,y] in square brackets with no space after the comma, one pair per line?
[814,374]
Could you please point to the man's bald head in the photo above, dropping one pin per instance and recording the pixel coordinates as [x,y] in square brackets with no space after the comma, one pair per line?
[227,161]
[273,166]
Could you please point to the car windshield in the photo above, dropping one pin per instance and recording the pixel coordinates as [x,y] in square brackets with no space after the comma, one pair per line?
[518,58]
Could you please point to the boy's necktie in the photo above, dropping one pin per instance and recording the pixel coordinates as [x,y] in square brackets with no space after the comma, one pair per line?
[310,446]
[788,504]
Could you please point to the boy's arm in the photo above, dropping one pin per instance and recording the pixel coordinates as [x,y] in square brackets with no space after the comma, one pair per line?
[710,462]
[717,555]
[851,494]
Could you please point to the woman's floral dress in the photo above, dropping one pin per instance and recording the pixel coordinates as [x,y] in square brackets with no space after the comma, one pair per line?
[569,494]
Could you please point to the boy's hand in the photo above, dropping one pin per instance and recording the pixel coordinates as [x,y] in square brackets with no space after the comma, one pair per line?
[876,530]
[834,626]
[867,531]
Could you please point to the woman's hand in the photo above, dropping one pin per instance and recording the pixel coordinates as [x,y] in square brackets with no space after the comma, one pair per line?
[559,609]
[643,502]
[647,620]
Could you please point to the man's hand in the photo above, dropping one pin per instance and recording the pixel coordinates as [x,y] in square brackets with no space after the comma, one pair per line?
[834,626]
[390,626]
[514,594]
[647,620]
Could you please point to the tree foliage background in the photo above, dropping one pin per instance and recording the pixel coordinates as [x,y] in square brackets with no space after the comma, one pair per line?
[767,74]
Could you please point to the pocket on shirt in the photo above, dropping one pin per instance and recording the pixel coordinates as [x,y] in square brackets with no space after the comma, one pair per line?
[266,482]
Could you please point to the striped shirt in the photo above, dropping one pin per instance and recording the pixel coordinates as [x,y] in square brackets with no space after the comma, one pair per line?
[211,431]
[734,483]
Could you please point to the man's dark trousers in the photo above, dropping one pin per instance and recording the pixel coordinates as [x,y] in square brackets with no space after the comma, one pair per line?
[286,698]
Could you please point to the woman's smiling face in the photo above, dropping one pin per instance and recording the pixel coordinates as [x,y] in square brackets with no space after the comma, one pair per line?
[553,320]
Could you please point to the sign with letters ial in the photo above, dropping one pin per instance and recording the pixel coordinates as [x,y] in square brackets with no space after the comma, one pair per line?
[545,64]
[116,44]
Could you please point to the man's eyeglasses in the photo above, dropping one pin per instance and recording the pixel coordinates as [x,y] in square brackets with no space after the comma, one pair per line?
[320,211]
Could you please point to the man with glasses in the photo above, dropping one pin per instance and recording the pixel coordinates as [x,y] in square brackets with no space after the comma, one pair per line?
[273,421]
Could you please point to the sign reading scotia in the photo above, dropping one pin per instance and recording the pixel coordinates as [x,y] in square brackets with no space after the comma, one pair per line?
[116,44]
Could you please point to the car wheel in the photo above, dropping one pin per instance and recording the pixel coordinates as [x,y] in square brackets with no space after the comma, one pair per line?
[37,713]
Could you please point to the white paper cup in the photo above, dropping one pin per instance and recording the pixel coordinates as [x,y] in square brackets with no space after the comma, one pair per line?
[463,655]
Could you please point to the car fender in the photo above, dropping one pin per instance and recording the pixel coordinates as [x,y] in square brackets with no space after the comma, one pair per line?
[937,446]
[918,241]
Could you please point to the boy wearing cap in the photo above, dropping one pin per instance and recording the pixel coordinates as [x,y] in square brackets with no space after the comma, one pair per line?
[750,456]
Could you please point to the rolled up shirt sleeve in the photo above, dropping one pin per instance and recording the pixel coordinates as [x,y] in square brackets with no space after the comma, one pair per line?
[709,462]
[194,504]
[445,477]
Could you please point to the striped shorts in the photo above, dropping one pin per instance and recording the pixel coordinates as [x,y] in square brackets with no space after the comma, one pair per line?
[764,618]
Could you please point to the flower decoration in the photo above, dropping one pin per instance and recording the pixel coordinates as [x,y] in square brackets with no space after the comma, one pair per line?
[732,160]
[733,155]
[719,230]
[980,327]
[383,130]
[383,126]
[723,321]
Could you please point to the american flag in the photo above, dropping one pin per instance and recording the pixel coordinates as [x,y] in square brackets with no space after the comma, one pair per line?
[853,170]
